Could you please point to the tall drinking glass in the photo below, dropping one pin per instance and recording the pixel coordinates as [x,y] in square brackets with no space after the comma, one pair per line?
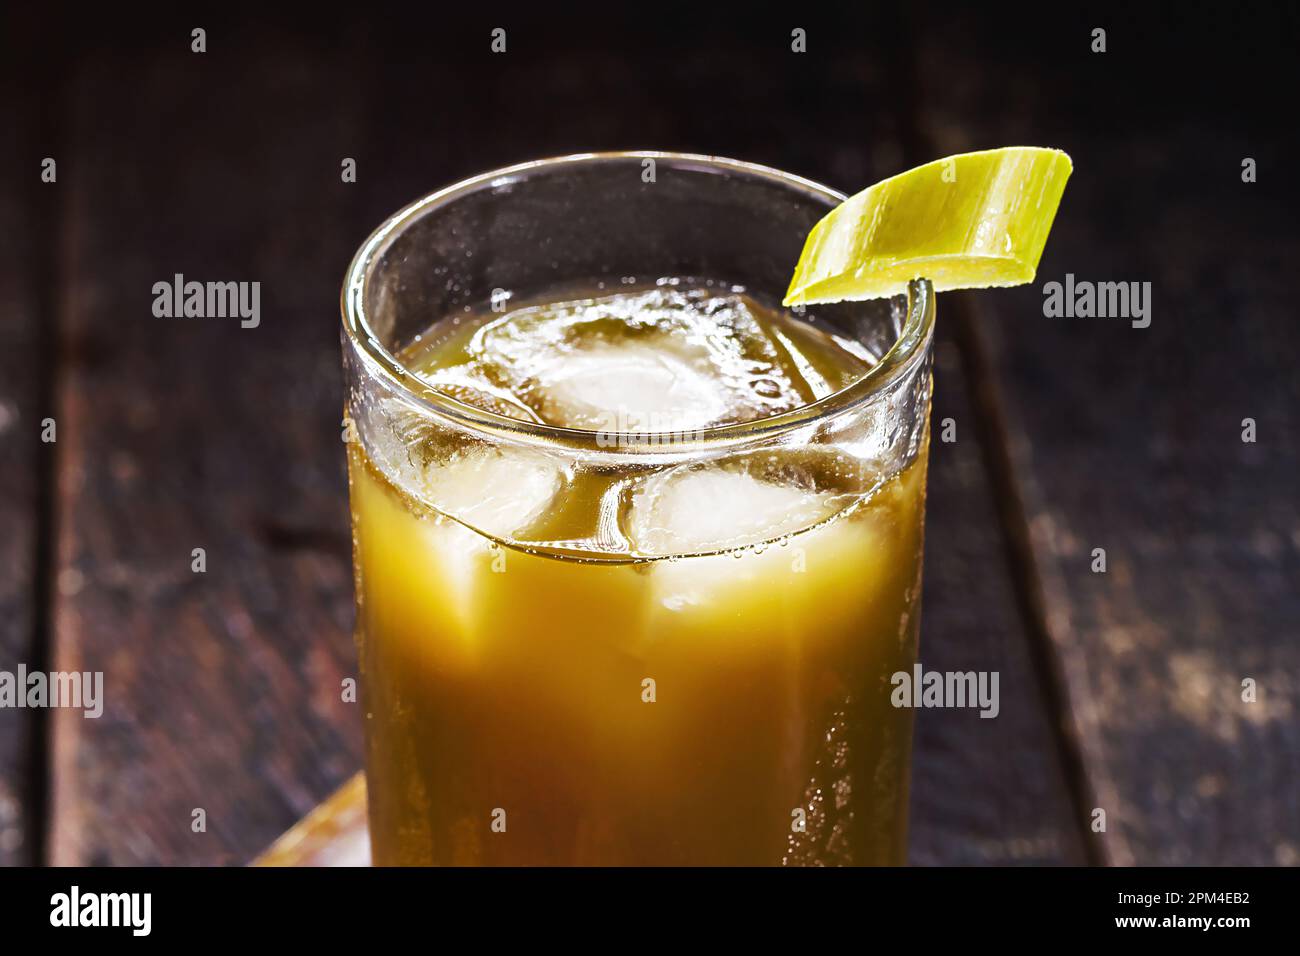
[637,640]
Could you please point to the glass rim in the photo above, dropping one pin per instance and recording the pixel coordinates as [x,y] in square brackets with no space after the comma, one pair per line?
[903,355]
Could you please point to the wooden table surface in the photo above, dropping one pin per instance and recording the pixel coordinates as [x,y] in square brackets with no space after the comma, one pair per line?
[1120,691]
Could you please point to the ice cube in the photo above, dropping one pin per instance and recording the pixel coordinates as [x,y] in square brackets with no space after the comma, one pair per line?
[696,509]
[629,388]
[661,360]
[724,584]
[497,490]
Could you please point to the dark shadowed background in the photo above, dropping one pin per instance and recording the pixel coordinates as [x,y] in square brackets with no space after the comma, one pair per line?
[1120,691]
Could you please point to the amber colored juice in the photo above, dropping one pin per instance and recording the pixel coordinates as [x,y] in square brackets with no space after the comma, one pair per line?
[591,666]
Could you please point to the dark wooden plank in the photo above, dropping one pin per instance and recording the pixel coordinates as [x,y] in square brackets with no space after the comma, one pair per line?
[984,791]
[1131,439]
[223,688]
[26,210]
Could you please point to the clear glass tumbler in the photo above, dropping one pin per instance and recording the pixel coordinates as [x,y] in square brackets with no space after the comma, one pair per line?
[531,700]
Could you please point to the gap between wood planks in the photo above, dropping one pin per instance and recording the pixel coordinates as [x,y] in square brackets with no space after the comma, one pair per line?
[46,211]
[985,396]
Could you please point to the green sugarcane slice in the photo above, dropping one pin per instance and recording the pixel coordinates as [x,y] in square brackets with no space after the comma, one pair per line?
[971,221]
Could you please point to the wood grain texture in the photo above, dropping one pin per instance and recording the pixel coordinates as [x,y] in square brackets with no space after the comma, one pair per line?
[223,688]
[1131,439]
[984,790]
